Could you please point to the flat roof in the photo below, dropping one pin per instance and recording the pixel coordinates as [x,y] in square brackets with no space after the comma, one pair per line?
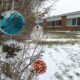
[66,14]
[71,14]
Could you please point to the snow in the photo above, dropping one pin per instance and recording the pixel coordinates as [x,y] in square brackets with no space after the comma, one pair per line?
[37,33]
[63,61]
[59,40]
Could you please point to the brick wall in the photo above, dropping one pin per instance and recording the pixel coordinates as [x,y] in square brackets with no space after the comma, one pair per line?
[63,25]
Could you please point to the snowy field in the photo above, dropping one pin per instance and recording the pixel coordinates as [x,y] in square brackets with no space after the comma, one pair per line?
[63,61]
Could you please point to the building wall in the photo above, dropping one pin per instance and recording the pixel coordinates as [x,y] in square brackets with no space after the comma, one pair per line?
[63,22]
[63,26]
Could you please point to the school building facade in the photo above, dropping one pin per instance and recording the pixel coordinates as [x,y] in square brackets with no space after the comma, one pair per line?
[69,21]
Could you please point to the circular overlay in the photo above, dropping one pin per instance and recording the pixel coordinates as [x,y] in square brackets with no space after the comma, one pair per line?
[11,23]
[39,67]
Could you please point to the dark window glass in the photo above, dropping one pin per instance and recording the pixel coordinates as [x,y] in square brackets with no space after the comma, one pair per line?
[41,24]
[48,23]
[52,23]
[58,23]
[78,21]
[74,21]
[69,22]
[55,23]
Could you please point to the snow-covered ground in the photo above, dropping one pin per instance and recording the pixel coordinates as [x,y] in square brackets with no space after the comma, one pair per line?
[59,40]
[63,61]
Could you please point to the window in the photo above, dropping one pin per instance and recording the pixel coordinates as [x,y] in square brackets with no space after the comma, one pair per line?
[58,23]
[49,23]
[53,23]
[69,22]
[41,24]
[74,21]
[78,21]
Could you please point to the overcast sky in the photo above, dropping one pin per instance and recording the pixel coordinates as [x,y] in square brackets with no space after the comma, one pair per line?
[66,6]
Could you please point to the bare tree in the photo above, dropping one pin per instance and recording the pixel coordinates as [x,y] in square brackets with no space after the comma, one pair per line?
[31,9]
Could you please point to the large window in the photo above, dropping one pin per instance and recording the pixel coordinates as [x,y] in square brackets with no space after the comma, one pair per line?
[72,22]
[57,23]
[54,23]
[69,22]
[78,21]
[41,23]
[49,23]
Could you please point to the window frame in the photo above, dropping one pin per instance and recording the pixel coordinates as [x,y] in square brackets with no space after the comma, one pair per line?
[77,21]
[71,23]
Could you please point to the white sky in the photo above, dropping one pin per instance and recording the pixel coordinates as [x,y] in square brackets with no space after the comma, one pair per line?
[66,6]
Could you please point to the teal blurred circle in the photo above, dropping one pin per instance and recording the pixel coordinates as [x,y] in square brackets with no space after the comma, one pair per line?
[12,23]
